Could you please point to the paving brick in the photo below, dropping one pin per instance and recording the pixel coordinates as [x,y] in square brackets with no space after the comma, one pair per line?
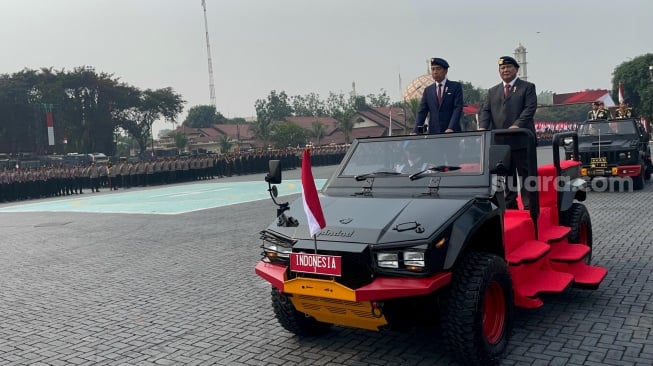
[112,289]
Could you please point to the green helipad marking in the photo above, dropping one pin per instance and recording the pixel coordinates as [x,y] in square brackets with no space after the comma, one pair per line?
[171,200]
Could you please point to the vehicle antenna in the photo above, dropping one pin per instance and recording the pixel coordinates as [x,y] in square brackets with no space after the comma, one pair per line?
[208,52]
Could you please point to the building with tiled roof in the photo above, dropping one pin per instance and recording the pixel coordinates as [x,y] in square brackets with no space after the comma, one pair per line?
[371,122]
[587,96]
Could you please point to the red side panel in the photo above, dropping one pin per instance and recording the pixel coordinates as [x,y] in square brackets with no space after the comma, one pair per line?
[393,287]
[273,273]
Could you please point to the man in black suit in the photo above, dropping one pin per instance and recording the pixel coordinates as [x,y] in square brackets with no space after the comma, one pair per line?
[511,104]
[442,101]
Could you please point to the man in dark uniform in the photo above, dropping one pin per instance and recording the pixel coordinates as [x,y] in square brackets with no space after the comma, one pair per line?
[604,113]
[624,110]
[442,101]
[511,104]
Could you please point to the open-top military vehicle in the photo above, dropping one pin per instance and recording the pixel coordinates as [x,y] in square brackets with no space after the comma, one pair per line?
[616,148]
[405,247]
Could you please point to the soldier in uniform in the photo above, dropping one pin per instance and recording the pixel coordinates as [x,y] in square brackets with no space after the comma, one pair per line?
[624,110]
[593,114]
[604,113]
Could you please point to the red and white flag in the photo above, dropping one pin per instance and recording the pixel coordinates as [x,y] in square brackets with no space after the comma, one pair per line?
[312,207]
[621,93]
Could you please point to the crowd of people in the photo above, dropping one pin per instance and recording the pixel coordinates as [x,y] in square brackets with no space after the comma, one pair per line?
[545,131]
[55,180]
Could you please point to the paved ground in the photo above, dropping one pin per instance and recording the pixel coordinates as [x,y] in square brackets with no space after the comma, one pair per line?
[124,289]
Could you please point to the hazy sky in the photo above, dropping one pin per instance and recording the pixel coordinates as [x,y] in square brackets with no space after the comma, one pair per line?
[303,46]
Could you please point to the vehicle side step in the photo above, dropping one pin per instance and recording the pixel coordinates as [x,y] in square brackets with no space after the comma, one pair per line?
[528,252]
[564,252]
[543,280]
[585,276]
[553,234]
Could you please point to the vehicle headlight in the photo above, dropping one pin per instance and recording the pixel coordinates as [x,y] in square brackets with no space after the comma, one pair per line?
[273,251]
[387,260]
[413,259]
[276,248]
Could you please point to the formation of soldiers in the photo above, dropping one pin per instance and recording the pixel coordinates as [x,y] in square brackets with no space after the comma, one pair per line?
[18,184]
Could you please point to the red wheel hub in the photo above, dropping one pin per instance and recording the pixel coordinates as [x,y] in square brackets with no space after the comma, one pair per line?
[494,312]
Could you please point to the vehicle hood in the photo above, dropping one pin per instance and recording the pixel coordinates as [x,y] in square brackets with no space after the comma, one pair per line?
[608,142]
[375,220]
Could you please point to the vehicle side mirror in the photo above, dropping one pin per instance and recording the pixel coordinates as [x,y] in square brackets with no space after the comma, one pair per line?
[499,159]
[274,172]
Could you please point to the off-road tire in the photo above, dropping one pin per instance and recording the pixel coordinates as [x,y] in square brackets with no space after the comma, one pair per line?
[478,309]
[638,181]
[294,321]
[578,219]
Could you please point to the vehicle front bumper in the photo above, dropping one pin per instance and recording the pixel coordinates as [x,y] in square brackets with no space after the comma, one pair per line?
[381,288]
[611,171]
[330,302]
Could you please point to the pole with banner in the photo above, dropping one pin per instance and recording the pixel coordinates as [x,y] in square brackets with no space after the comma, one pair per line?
[310,199]
[49,122]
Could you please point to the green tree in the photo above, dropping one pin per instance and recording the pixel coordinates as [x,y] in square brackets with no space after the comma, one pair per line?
[181,141]
[225,144]
[342,109]
[637,84]
[287,134]
[412,106]
[145,108]
[203,116]
[562,113]
[318,129]
[274,108]
[380,100]
[471,94]
[308,105]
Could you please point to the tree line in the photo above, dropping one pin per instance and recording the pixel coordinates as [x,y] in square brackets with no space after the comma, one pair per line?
[90,111]
[96,112]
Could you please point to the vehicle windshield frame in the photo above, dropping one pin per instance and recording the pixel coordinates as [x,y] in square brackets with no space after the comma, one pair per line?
[595,128]
[384,158]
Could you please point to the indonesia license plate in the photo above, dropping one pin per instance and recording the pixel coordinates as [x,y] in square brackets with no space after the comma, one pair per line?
[329,265]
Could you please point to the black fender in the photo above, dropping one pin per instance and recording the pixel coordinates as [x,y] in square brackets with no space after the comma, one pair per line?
[480,225]
[576,189]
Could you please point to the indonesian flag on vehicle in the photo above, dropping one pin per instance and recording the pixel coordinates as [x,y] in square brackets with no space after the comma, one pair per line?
[621,93]
[312,207]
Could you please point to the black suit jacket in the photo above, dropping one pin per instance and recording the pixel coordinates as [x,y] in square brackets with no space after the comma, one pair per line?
[441,117]
[516,109]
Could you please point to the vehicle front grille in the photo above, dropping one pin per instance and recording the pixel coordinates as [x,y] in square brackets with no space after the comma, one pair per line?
[612,157]
[356,269]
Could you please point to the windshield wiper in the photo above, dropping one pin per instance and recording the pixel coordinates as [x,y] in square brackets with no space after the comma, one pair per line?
[433,169]
[375,174]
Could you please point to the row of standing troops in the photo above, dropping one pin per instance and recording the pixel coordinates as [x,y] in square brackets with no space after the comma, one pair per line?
[53,181]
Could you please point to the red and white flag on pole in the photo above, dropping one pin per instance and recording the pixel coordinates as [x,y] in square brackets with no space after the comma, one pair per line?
[312,207]
[621,93]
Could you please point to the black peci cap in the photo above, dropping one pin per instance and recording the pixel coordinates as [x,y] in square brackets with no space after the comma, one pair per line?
[507,60]
[439,62]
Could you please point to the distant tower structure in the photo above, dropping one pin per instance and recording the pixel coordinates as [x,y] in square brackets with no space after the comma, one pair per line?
[208,51]
[520,56]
